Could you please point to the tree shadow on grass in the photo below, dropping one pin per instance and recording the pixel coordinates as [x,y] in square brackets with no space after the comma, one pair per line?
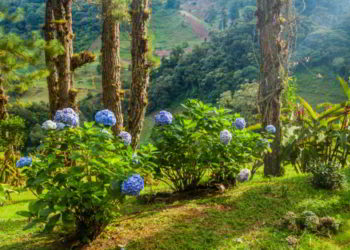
[250,213]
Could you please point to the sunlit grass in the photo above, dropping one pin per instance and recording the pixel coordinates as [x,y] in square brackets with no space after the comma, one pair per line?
[244,217]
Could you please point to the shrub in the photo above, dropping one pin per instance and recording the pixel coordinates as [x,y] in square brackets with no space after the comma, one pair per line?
[202,141]
[327,176]
[82,171]
[12,138]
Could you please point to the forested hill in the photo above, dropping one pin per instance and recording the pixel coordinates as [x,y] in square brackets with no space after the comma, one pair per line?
[229,56]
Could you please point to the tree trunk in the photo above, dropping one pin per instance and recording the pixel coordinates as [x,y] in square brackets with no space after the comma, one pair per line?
[140,15]
[49,33]
[63,61]
[3,102]
[273,76]
[111,84]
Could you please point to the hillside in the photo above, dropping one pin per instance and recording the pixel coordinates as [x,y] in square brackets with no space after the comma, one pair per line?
[321,52]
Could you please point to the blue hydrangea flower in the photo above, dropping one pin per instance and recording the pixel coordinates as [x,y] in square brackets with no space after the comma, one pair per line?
[270,129]
[126,137]
[23,162]
[49,125]
[60,125]
[133,185]
[225,137]
[135,159]
[243,175]
[105,117]
[240,123]
[67,116]
[163,118]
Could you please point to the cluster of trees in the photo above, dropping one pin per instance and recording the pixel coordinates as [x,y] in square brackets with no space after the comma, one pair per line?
[218,71]
[85,20]
[223,63]
[17,55]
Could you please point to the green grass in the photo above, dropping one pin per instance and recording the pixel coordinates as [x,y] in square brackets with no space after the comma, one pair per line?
[170,30]
[250,212]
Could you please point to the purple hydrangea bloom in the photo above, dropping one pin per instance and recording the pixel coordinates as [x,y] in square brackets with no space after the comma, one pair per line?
[133,185]
[23,162]
[243,175]
[225,137]
[164,118]
[126,137]
[105,117]
[240,123]
[49,125]
[67,116]
[270,129]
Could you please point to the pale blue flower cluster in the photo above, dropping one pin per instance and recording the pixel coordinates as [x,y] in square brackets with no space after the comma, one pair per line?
[67,116]
[270,129]
[240,123]
[243,175]
[164,118]
[105,117]
[135,159]
[23,162]
[49,125]
[225,137]
[126,137]
[60,125]
[133,185]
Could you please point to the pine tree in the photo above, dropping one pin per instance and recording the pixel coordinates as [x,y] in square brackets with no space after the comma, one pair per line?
[16,55]
[140,15]
[273,71]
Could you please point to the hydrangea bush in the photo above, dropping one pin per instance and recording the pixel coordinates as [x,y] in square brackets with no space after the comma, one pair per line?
[85,175]
[49,125]
[24,162]
[244,175]
[240,123]
[225,137]
[67,116]
[202,141]
[105,117]
[270,129]
[163,118]
[133,185]
[126,137]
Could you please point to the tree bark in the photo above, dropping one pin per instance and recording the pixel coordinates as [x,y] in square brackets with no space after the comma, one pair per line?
[111,84]
[49,34]
[63,61]
[273,75]
[140,15]
[3,101]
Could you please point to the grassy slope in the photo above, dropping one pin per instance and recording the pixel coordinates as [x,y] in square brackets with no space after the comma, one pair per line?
[250,212]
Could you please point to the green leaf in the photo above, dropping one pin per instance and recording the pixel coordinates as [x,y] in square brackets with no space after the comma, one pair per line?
[309,109]
[345,86]
[25,214]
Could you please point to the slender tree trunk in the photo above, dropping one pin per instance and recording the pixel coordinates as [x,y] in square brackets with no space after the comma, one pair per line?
[140,15]
[111,84]
[49,33]
[3,101]
[63,61]
[273,75]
